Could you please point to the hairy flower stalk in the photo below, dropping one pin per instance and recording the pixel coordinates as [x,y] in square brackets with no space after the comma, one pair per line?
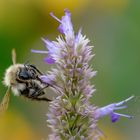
[71,116]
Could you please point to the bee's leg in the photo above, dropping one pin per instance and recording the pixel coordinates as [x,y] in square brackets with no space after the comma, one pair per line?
[41,99]
[26,94]
[39,92]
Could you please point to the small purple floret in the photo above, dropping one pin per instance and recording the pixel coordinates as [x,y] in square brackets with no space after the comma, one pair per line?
[65,26]
[52,49]
[109,110]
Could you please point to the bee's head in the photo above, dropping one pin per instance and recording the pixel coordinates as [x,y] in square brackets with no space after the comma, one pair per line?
[10,74]
[21,72]
[27,72]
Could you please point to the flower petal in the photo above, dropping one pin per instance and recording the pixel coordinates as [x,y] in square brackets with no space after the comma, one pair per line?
[50,46]
[114,117]
[46,79]
[49,60]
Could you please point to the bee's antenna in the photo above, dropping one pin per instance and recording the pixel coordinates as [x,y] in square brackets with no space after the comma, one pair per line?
[26,62]
[14,56]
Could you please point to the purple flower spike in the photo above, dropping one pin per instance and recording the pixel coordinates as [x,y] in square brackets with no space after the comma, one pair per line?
[71,116]
[109,110]
[65,26]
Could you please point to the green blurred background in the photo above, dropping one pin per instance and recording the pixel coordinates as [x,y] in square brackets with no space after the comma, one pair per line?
[113,28]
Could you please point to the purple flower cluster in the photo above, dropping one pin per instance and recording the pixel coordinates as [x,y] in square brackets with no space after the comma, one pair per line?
[71,116]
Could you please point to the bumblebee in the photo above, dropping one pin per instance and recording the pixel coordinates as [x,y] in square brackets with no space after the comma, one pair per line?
[23,80]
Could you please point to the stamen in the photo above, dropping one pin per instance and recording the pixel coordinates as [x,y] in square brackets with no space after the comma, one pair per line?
[123,115]
[39,51]
[44,40]
[55,17]
[121,107]
[123,102]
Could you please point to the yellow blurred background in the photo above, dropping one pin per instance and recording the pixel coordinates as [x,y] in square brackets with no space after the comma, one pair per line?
[113,28]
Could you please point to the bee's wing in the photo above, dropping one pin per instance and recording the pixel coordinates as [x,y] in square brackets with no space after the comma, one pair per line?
[14,56]
[5,101]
